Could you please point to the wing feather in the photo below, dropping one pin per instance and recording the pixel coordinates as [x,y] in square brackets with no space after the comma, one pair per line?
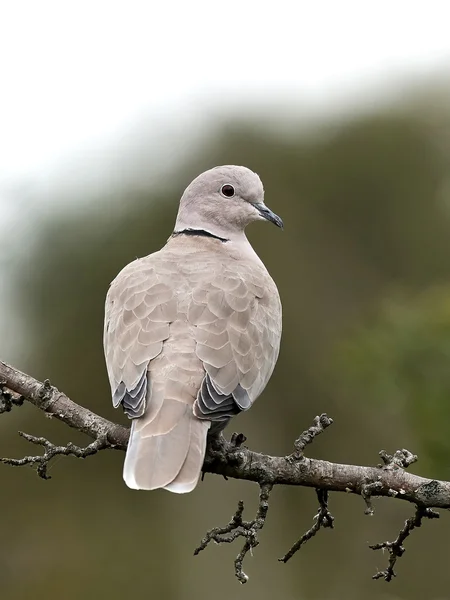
[139,308]
[240,346]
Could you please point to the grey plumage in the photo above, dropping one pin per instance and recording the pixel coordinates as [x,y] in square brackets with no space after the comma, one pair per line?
[192,332]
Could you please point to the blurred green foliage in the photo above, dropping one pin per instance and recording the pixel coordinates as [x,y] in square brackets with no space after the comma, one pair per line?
[366,213]
[402,357]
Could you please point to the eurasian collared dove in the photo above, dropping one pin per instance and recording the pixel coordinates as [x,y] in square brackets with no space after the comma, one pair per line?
[192,332]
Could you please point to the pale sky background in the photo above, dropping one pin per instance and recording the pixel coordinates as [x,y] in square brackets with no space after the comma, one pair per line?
[76,75]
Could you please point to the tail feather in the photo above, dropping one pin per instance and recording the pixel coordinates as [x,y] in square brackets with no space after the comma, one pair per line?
[189,474]
[167,451]
[154,458]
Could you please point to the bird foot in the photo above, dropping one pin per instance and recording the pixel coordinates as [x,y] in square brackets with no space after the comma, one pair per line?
[237,439]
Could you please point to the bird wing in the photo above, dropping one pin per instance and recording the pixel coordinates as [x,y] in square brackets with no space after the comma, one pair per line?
[237,319]
[140,305]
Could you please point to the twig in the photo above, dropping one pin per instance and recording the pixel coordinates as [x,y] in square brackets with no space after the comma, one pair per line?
[322,519]
[318,427]
[396,548]
[51,450]
[237,527]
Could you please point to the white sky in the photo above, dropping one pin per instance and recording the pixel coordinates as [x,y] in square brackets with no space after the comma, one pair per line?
[77,73]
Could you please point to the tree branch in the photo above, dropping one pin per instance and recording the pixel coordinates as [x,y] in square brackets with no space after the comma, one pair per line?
[231,459]
[56,404]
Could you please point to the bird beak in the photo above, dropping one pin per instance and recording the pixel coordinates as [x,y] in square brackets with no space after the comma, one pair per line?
[266,213]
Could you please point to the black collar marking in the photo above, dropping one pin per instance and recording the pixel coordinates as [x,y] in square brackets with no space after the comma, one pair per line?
[201,232]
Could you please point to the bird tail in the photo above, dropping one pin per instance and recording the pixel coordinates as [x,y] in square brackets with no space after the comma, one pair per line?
[166,448]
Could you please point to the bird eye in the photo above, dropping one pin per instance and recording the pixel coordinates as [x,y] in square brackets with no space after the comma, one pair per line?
[227,190]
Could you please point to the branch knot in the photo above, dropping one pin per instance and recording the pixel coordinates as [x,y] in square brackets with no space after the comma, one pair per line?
[8,398]
[401,459]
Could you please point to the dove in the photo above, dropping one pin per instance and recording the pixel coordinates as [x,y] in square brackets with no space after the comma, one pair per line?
[192,332]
